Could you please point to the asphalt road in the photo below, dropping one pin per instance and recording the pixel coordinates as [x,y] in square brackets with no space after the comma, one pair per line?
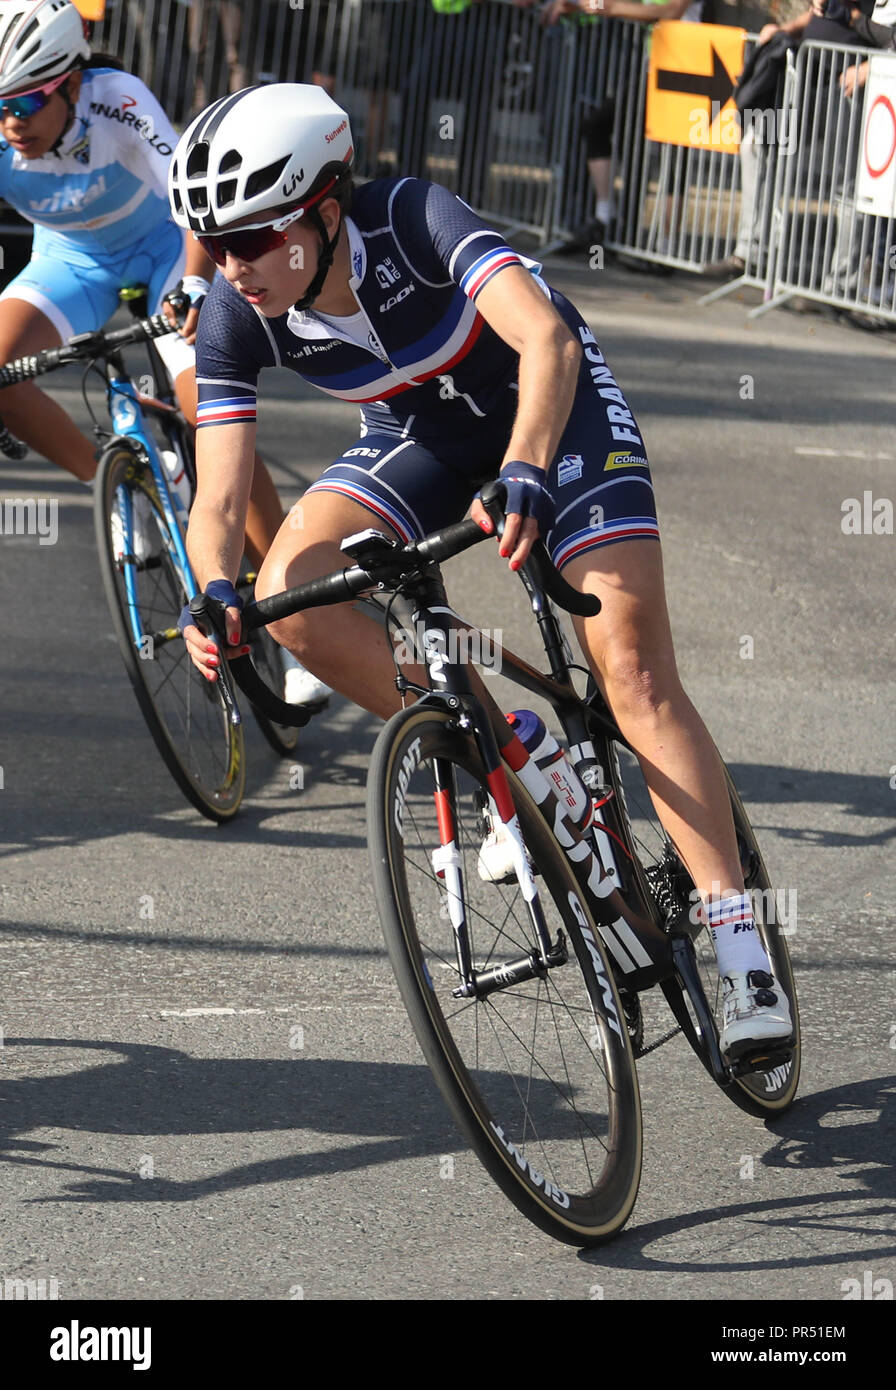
[165,1137]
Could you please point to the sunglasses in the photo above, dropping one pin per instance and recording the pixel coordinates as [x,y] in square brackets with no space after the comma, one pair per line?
[29,103]
[249,243]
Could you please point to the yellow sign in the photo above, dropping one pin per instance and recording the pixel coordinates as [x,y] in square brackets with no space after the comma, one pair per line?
[90,9]
[690,85]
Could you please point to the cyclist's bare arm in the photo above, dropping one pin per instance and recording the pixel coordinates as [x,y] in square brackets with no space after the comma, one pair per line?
[519,311]
[225,462]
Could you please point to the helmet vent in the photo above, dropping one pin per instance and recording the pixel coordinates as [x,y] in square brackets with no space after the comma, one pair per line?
[263,179]
[198,199]
[231,161]
[226,193]
[30,33]
[197,160]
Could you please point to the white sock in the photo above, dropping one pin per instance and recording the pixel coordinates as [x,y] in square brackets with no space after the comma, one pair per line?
[603,211]
[738,944]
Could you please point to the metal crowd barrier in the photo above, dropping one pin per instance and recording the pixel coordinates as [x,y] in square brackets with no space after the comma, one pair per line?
[492,103]
[673,205]
[476,100]
[826,250]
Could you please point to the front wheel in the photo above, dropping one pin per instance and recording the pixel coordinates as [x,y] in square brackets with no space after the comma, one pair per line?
[539,1075]
[146,591]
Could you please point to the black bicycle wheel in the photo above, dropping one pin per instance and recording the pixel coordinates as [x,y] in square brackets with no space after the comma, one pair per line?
[185,714]
[539,1075]
[665,881]
[268,660]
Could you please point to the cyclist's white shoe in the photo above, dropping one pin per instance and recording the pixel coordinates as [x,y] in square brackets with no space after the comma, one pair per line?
[300,687]
[756,1014]
[496,855]
[144,530]
[496,862]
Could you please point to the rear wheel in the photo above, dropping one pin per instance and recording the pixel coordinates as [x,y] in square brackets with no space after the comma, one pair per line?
[539,1074]
[146,590]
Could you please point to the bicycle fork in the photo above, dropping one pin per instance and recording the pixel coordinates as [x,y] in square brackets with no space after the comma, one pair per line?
[457,694]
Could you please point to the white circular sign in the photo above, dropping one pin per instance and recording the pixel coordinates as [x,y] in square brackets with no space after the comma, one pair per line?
[880,137]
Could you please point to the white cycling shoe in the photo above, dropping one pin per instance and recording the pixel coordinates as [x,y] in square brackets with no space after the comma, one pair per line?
[300,687]
[756,1014]
[496,863]
[144,530]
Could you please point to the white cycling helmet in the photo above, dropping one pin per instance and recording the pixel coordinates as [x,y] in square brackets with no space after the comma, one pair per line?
[259,152]
[39,40]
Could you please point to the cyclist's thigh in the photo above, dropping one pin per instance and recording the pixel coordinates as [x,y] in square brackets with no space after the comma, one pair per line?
[165,260]
[24,330]
[600,478]
[74,298]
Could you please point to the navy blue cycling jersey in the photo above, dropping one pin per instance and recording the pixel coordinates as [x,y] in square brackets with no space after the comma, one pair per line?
[437,387]
[419,259]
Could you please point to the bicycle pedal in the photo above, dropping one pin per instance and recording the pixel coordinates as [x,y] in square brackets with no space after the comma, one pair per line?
[762,1061]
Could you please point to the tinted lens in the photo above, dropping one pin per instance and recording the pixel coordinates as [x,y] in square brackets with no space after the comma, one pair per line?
[23,107]
[245,246]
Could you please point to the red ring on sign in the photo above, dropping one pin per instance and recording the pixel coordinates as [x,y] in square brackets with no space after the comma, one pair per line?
[876,173]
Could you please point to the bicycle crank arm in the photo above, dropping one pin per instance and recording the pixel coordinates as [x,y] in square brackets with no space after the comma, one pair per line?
[686,968]
[515,972]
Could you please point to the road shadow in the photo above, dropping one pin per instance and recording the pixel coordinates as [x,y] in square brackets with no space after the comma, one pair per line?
[849,1130]
[392,1111]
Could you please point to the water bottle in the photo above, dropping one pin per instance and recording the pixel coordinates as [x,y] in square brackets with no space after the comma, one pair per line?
[546,753]
[178,483]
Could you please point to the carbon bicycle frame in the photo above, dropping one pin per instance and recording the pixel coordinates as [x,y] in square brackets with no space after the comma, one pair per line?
[640,952]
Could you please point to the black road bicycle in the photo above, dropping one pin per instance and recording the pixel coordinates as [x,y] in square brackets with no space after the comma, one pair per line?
[525,994]
[140,532]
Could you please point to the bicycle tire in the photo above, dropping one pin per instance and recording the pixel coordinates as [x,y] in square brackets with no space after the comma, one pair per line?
[664,881]
[283,738]
[564,1143]
[185,714]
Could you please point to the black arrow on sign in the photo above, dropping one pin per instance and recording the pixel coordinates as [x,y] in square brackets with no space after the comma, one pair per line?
[717,85]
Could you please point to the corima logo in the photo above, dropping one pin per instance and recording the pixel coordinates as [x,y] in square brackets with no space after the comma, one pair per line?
[620,459]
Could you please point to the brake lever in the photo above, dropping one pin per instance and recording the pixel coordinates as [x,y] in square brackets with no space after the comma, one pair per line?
[210,612]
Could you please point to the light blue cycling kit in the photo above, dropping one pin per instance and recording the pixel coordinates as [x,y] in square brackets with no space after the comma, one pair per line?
[100,208]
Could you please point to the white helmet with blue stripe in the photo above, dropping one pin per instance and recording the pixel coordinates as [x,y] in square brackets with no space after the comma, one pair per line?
[40,41]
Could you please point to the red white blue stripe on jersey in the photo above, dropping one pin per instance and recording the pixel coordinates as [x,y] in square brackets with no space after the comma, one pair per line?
[481,271]
[229,410]
[380,384]
[632,528]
